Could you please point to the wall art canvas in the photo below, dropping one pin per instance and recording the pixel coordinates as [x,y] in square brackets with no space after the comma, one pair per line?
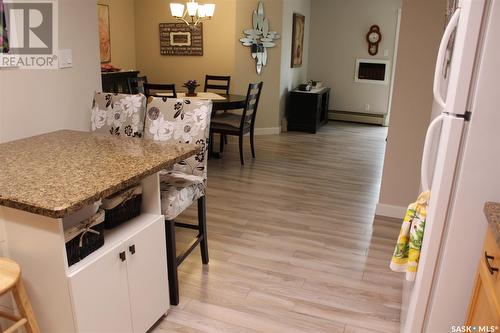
[178,39]
[297,40]
[104,33]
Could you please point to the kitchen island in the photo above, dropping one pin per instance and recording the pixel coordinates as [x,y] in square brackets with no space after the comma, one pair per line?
[47,180]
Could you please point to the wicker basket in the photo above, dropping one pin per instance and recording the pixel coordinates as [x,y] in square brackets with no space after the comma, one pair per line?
[122,206]
[84,238]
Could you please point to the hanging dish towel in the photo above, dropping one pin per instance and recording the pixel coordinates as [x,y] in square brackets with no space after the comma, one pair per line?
[4,40]
[407,252]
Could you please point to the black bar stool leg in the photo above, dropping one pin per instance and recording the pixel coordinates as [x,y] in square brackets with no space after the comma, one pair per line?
[210,145]
[173,279]
[202,225]
[221,143]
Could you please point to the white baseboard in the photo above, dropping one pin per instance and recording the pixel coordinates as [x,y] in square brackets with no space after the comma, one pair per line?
[267,131]
[390,211]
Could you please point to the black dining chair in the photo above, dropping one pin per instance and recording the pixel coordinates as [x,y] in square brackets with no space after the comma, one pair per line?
[136,84]
[239,124]
[217,82]
[160,90]
[220,83]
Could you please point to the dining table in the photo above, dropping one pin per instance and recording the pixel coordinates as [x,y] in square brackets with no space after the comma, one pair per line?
[220,102]
[230,102]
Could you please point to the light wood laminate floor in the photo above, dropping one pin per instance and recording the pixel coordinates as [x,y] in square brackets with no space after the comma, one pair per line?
[293,245]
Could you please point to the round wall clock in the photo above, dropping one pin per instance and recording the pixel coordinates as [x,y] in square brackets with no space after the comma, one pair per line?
[373,37]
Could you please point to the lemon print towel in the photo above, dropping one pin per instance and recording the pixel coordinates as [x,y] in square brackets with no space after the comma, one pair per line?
[407,252]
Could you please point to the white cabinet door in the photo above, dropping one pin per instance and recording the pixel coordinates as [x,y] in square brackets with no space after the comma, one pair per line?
[99,295]
[147,274]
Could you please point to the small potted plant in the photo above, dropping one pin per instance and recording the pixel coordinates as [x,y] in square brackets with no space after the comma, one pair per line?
[191,87]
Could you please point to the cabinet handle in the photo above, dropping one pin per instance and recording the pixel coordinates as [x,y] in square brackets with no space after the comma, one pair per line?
[131,248]
[487,257]
[123,256]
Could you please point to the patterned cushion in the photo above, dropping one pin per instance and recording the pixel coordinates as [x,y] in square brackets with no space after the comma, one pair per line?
[228,119]
[178,192]
[118,114]
[180,121]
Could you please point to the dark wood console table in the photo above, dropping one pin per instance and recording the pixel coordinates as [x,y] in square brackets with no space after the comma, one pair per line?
[308,110]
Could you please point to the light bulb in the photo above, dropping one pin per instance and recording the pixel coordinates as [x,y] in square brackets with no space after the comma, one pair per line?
[177,9]
[192,8]
[209,9]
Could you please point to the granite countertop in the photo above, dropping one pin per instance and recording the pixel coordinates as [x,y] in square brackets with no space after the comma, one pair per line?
[56,174]
[492,212]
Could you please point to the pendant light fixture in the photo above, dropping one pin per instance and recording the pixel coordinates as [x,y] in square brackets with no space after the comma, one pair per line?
[194,13]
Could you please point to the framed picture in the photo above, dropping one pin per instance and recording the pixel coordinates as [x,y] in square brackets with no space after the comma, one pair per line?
[104,33]
[297,40]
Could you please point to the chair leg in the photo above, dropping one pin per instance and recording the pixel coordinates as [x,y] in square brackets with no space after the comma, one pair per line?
[24,306]
[173,279]
[252,144]
[221,143]
[210,144]
[202,227]
[241,150]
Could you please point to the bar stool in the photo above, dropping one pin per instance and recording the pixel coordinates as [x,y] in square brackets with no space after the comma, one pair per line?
[10,280]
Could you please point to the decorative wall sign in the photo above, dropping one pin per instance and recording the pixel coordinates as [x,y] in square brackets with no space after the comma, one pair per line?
[178,39]
[104,33]
[297,39]
[259,38]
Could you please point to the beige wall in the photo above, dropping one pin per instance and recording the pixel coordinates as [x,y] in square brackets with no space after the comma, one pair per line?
[292,77]
[122,30]
[38,101]
[268,119]
[412,101]
[222,54]
[338,33]
[218,48]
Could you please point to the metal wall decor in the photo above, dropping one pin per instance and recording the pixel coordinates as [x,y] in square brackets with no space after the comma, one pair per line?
[259,38]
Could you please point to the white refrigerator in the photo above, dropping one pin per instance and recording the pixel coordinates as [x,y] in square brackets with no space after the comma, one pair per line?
[462,173]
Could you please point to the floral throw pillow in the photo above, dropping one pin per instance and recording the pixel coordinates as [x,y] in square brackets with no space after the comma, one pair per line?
[118,114]
[181,121]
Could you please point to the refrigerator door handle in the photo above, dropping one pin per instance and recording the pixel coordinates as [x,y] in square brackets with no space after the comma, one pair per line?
[429,139]
[441,56]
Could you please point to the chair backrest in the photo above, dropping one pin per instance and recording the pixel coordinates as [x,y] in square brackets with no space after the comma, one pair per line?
[166,90]
[136,84]
[118,114]
[223,85]
[251,104]
[181,121]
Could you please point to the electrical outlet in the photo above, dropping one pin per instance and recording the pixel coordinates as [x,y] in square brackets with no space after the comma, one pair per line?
[367,107]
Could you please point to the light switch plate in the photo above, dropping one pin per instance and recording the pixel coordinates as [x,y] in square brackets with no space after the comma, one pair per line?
[65,58]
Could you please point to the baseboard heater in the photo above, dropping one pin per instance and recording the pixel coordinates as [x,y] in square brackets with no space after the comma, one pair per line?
[358,117]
